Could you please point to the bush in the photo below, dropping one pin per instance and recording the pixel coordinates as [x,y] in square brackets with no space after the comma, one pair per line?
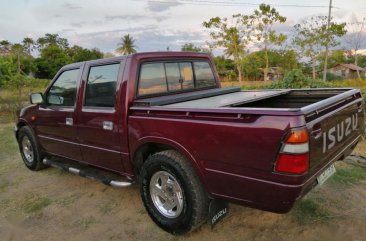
[295,79]
[332,77]
[15,94]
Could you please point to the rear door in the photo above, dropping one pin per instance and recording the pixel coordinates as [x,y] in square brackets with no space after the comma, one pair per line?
[98,122]
[55,122]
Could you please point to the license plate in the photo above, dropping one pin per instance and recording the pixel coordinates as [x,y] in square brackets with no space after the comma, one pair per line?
[326,174]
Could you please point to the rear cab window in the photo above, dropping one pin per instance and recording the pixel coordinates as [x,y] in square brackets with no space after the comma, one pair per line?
[101,86]
[174,76]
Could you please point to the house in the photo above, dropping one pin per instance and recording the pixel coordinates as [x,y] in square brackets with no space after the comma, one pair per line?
[273,74]
[347,71]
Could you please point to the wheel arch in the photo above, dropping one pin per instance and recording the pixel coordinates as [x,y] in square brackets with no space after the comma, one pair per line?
[151,145]
[21,123]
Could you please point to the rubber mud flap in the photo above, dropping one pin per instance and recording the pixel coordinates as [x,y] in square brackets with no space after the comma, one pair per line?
[218,209]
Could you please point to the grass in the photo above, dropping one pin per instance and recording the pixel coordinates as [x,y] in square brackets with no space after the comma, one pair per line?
[9,101]
[67,201]
[348,175]
[310,210]
[35,204]
[86,222]
[4,185]
[106,208]
[8,144]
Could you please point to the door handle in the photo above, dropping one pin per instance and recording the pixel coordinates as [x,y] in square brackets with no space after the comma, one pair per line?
[69,121]
[108,125]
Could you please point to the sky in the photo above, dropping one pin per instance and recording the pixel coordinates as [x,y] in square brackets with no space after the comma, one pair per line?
[155,24]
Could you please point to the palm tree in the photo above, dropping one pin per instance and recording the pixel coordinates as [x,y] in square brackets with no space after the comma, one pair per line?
[127,45]
[28,44]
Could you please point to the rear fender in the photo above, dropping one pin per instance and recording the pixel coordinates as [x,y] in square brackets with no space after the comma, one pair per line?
[176,146]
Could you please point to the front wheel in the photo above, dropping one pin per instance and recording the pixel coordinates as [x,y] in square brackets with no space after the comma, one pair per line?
[172,193]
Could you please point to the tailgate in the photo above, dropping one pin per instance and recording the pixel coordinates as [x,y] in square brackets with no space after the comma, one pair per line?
[335,130]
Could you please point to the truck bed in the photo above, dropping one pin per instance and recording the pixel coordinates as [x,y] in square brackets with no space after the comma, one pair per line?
[231,99]
[305,100]
[284,99]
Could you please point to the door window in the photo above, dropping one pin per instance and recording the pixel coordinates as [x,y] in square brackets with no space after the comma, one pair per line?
[101,86]
[63,90]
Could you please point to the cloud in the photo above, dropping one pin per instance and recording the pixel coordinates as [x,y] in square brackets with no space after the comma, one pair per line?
[70,6]
[148,38]
[135,17]
[160,6]
[154,40]
[77,25]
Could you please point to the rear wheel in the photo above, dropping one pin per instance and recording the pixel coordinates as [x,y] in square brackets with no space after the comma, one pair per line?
[172,193]
[29,149]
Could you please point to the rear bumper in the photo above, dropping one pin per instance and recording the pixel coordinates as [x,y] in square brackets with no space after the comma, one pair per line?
[266,195]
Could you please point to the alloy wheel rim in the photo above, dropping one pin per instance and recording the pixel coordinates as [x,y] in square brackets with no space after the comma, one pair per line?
[27,149]
[166,194]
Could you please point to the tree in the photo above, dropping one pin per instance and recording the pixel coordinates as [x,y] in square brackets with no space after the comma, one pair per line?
[225,66]
[254,63]
[108,55]
[355,38]
[233,37]
[18,50]
[190,47]
[79,54]
[312,35]
[262,21]
[5,47]
[14,67]
[51,59]
[289,60]
[52,39]
[361,59]
[28,44]
[127,45]
[335,57]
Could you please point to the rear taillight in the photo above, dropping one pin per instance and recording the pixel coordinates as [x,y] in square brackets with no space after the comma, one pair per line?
[294,154]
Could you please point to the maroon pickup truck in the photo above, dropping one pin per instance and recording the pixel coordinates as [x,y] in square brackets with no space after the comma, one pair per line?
[162,120]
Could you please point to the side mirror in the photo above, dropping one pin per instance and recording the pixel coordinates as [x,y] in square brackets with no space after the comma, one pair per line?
[36,98]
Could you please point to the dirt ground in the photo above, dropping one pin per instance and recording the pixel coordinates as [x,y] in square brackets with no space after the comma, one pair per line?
[55,205]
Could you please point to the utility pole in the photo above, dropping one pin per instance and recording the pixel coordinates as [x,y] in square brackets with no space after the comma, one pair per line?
[326,47]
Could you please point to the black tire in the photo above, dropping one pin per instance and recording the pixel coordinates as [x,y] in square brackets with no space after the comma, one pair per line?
[194,210]
[25,133]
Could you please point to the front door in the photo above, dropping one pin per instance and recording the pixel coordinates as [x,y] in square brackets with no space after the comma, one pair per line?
[98,123]
[55,120]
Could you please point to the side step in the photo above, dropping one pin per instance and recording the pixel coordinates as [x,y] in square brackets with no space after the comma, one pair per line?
[86,171]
